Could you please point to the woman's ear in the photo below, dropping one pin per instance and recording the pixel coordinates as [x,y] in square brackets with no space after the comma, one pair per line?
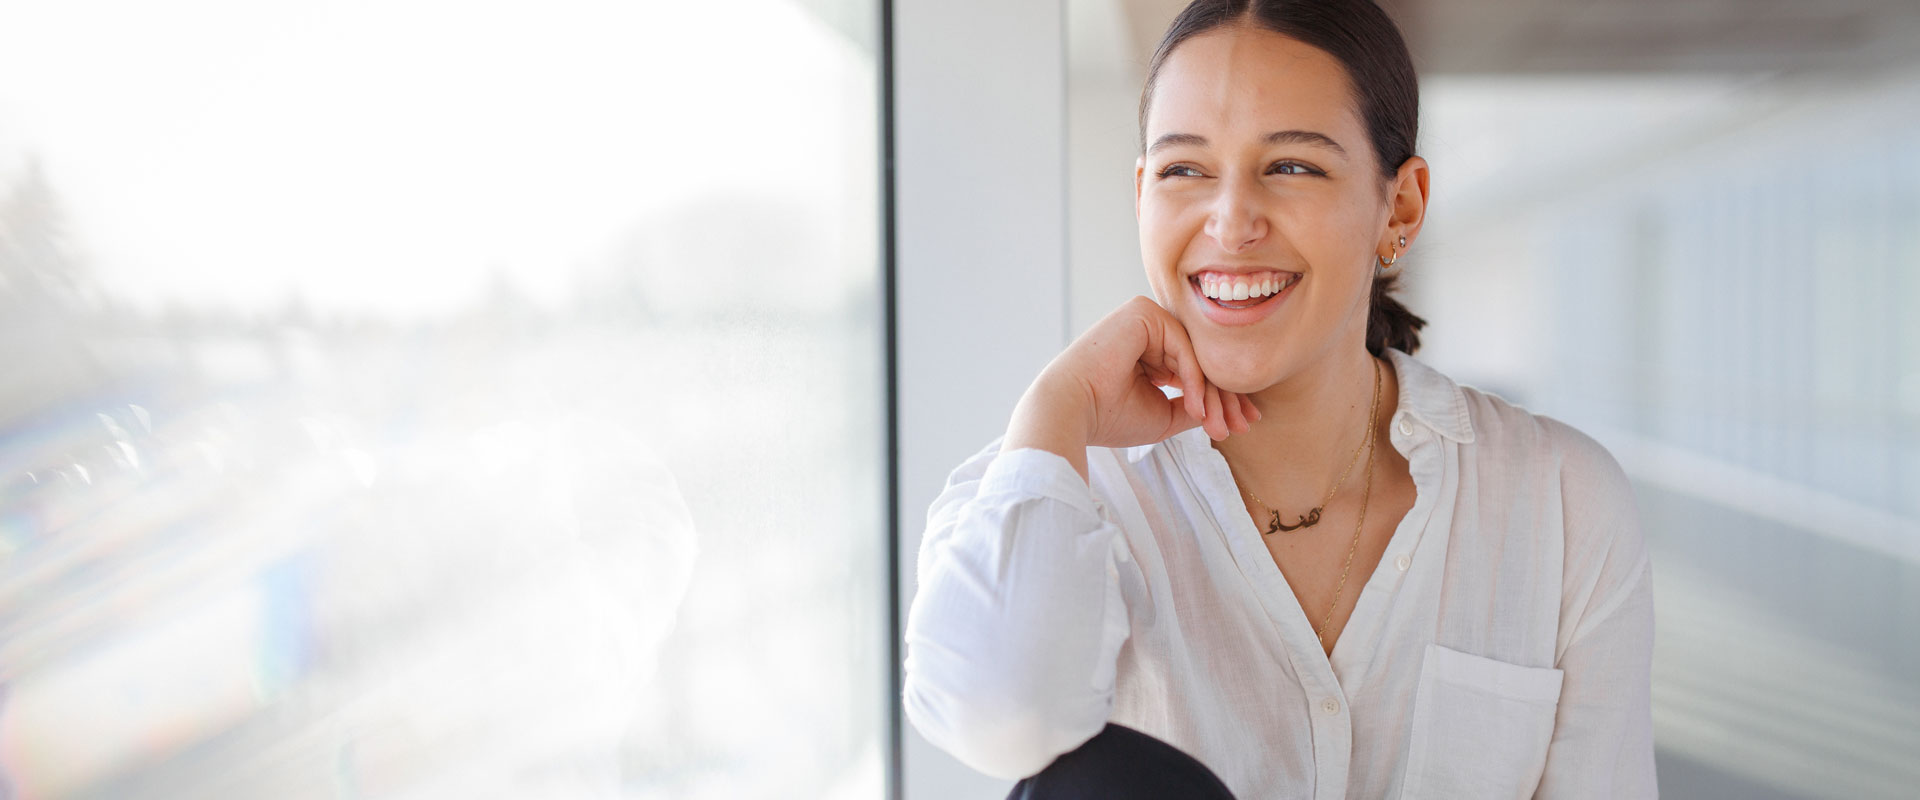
[1407,199]
[1139,175]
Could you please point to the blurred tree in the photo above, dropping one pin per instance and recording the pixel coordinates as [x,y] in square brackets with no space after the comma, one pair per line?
[38,259]
[46,294]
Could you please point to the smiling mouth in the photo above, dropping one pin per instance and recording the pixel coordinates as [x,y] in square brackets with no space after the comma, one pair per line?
[1237,292]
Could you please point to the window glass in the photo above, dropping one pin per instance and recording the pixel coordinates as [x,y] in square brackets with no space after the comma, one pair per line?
[439,399]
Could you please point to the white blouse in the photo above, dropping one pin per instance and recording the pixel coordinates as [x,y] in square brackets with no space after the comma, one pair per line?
[1501,648]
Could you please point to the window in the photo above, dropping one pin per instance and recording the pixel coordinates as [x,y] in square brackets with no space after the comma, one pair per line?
[439,399]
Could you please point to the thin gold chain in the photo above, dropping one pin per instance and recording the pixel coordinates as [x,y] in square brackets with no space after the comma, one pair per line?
[1365,497]
[1311,518]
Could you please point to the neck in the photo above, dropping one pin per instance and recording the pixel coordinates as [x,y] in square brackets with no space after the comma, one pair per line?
[1311,423]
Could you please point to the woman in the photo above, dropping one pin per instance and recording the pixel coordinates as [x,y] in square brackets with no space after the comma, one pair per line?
[1324,569]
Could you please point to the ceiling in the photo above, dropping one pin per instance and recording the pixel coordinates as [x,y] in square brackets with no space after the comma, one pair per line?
[1536,36]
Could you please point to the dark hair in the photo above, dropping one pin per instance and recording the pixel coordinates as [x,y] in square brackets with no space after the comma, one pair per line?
[1368,45]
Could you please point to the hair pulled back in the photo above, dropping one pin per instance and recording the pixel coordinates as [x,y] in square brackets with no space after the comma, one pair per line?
[1386,93]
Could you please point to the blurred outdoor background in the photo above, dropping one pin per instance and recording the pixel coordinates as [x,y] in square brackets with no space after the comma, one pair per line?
[437,399]
[1690,228]
[423,399]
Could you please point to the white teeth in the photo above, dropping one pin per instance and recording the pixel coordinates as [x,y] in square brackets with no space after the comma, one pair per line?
[1223,289]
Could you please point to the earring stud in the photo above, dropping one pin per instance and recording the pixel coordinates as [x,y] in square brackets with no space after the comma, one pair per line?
[1384,264]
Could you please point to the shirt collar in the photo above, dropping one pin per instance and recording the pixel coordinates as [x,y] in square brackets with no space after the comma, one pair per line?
[1425,394]
[1431,397]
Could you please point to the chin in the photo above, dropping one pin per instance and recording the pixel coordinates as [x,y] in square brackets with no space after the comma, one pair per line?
[1237,369]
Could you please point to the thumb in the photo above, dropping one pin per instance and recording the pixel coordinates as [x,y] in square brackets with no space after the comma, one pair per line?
[1179,418]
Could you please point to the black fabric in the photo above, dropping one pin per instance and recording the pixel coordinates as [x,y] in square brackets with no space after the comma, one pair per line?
[1121,763]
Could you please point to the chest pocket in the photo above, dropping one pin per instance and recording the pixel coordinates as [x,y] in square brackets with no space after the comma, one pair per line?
[1480,727]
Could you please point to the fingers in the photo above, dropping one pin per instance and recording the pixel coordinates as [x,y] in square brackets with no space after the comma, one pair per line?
[1158,376]
[1216,418]
[1177,417]
[1236,417]
[1170,360]
[1170,349]
[1229,413]
[1193,386]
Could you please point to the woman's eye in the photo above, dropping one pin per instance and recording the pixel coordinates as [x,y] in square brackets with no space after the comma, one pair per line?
[1291,168]
[1282,168]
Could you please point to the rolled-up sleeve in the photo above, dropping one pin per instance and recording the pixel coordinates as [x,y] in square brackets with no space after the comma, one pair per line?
[1602,743]
[1012,636]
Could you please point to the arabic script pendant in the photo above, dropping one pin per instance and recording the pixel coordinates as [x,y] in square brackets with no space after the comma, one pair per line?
[1308,521]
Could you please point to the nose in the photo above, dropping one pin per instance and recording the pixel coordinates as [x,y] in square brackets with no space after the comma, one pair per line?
[1238,221]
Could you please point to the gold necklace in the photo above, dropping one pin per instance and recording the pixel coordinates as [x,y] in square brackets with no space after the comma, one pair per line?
[1366,495]
[1312,518]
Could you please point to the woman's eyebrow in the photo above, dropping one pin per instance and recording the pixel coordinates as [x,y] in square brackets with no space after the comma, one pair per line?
[1314,138]
[1172,139]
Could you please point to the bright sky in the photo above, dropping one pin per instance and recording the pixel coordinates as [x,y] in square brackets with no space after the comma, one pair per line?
[390,155]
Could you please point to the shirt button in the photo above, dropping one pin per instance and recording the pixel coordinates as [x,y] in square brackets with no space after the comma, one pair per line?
[1403,562]
[1330,705]
[1406,428]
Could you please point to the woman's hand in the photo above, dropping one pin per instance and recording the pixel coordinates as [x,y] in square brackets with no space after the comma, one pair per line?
[1103,390]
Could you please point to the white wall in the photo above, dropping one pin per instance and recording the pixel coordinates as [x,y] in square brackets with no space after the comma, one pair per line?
[1103,88]
[979,123]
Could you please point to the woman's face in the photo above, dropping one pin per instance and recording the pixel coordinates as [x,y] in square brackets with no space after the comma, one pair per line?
[1258,172]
